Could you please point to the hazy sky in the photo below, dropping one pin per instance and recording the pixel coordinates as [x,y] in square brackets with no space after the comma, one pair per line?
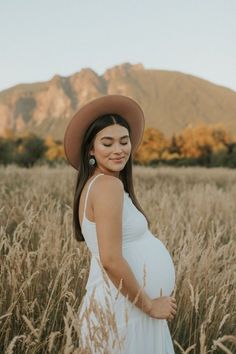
[42,38]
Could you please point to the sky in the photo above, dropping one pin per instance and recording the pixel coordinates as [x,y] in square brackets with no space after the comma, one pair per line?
[39,39]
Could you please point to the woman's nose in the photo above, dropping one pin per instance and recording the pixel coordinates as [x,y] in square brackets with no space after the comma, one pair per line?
[118,148]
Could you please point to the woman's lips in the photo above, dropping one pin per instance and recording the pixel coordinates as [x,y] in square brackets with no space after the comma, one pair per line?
[118,160]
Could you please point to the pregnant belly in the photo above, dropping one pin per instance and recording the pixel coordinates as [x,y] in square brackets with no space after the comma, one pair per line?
[153,268]
[151,264]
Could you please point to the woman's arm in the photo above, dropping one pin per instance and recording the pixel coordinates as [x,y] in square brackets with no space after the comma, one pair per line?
[107,201]
[120,269]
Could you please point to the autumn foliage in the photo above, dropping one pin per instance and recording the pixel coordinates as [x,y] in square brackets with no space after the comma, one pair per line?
[192,142]
[153,146]
[211,141]
[203,139]
[55,150]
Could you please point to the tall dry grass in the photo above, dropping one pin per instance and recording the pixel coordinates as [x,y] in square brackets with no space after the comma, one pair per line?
[43,274]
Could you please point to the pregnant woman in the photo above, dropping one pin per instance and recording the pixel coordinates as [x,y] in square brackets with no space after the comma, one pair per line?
[128,296]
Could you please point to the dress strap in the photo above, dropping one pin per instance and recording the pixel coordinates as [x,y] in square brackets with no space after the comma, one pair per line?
[86,197]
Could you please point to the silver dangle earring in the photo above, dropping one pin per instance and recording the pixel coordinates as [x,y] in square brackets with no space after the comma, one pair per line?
[92,161]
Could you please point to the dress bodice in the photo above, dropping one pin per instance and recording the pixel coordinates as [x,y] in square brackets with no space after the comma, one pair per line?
[134,224]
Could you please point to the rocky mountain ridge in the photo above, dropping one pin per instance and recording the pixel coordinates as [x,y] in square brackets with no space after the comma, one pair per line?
[171,100]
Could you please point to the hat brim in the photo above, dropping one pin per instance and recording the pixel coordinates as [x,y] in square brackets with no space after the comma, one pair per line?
[119,104]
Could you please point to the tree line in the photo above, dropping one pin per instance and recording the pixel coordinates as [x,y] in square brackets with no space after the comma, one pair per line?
[206,145]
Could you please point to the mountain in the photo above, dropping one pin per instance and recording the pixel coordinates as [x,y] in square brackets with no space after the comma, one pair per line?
[171,100]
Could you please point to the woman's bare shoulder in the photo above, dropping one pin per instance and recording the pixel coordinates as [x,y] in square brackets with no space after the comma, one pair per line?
[107,185]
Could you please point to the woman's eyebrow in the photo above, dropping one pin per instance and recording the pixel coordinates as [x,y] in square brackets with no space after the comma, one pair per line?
[109,137]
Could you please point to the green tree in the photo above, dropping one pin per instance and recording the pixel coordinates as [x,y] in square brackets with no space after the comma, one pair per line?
[6,151]
[32,149]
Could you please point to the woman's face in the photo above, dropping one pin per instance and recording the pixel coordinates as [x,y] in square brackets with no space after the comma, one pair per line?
[110,144]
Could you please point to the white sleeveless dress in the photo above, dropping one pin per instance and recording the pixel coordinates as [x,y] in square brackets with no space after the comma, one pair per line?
[133,331]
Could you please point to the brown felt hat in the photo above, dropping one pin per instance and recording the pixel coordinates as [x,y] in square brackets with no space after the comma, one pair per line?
[116,104]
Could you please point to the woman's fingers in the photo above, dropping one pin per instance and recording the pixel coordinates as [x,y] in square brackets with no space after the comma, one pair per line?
[173,311]
[173,301]
[174,305]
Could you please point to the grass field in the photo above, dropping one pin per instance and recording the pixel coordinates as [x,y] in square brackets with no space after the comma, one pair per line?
[44,271]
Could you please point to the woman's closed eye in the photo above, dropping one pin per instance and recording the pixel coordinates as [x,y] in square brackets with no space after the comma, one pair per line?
[121,144]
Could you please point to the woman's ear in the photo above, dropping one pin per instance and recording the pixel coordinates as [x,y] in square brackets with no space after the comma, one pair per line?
[91,152]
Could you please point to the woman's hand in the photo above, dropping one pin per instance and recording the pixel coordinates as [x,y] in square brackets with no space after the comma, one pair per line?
[163,307]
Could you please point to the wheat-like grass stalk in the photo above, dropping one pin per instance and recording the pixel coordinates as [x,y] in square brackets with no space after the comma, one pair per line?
[43,271]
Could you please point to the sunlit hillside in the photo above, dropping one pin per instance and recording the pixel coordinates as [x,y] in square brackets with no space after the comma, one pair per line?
[171,100]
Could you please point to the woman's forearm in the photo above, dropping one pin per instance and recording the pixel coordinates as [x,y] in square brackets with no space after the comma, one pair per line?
[120,269]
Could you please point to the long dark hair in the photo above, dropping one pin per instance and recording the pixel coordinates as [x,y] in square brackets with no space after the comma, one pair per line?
[86,171]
